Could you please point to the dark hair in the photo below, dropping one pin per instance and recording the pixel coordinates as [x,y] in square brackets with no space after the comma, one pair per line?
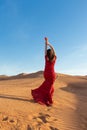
[50,54]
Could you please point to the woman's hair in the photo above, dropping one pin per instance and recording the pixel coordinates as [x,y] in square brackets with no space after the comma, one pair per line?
[50,54]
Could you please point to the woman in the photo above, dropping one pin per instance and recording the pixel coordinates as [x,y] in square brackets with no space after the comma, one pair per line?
[44,93]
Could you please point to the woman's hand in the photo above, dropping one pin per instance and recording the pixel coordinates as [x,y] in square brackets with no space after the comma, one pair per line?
[46,40]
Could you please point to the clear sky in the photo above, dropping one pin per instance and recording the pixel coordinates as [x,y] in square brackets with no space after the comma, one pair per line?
[25,23]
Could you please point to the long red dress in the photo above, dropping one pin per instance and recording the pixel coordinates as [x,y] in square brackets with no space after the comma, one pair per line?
[44,93]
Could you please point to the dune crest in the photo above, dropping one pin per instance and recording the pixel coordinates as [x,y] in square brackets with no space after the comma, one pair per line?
[22,75]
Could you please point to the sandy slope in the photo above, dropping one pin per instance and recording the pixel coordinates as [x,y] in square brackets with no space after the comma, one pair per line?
[18,111]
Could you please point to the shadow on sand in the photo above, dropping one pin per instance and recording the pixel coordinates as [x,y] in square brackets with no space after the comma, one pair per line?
[79,90]
[14,97]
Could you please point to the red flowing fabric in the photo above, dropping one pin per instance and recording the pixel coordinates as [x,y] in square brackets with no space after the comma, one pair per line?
[44,93]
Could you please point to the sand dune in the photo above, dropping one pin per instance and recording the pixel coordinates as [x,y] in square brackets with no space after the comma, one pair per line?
[18,111]
[22,76]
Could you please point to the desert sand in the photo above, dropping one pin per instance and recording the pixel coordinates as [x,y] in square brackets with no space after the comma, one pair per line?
[18,111]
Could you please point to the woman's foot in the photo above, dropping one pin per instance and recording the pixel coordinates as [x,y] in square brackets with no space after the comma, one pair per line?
[40,102]
[49,104]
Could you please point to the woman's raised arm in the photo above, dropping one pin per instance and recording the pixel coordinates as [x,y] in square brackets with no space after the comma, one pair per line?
[47,43]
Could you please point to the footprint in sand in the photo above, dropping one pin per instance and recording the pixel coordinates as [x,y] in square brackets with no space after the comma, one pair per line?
[43,117]
[44,120]
[53,128]
[11,121]
[5,118]
[28,127]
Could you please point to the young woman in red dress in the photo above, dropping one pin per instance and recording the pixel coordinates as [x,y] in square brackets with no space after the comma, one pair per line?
[43,94]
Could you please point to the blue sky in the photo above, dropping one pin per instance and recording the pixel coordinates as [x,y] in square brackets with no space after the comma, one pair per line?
[25,23]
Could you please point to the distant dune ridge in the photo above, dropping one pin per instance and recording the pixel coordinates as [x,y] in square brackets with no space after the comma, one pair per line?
[34,75]
[18,111]
[22,75]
